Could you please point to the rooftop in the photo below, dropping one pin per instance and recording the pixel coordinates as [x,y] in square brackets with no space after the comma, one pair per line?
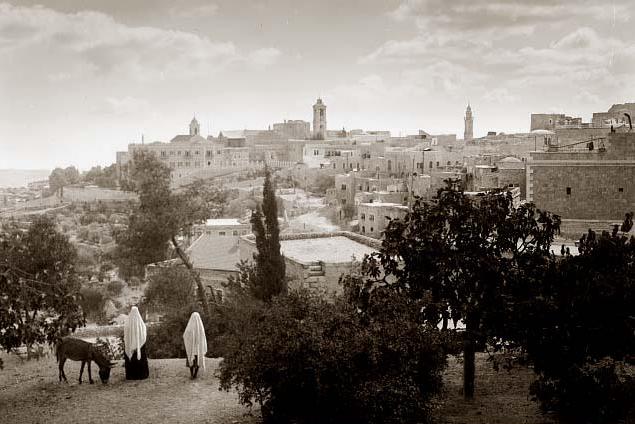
[212,252]
[337,249]
[222,222]
[382,204]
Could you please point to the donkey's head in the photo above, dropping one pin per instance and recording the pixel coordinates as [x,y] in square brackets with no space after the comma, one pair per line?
[104,373]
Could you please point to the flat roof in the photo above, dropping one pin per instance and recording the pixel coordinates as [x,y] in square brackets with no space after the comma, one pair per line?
[337,249]
[380,204]
[223,222]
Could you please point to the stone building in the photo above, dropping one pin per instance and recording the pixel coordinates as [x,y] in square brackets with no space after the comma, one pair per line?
[374,217]
[614,116]
[582,184]
[319,120]
[296,129]
[551,121]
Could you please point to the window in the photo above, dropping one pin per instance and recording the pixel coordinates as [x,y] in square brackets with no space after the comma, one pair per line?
[437,164]
[372,229]
[430,165]
[621,189]
[371,218]
[178,153]
[221,233]
[363,216]
[343,201]
[235,232]
[209,163]
[316,152]
[343,186]
[208,153]
[163,153]
[568,191]
[363,229]
[187,153]
[196,152]
[360,187]
[172,153]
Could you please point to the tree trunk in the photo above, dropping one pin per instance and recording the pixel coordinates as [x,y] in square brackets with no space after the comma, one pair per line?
[197,277]
[469,366]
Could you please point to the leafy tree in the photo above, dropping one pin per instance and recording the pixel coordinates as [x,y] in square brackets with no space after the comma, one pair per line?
[38,285]
[161,217]
[60,178]
[454,256]
[575,322]
[92,301]
[324,182]
[171,288]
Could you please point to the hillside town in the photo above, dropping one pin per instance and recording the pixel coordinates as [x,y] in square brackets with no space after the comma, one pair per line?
[315,265]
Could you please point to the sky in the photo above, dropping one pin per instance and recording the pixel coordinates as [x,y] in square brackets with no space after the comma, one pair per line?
[81,79]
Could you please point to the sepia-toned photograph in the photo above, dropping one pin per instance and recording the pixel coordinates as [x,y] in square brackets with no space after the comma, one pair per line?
[317,212]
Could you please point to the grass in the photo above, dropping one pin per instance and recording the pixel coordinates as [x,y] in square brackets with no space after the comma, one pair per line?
[30,393]
[500,396]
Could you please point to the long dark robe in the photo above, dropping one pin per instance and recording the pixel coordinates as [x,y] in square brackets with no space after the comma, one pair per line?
[137,369]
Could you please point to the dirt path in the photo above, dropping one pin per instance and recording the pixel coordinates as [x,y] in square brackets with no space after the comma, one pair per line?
[30,393]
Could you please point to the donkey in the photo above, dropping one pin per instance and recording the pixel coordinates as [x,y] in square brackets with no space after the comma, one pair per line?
[80,350]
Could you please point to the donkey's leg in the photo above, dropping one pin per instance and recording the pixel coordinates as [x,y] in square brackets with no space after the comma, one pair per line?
[81,372]
[60,366]
[90,377]
[62,361]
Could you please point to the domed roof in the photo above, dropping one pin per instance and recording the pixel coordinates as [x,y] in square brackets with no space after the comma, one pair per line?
[509,159]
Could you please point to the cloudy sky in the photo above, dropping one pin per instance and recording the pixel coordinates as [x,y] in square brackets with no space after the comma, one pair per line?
[80,79]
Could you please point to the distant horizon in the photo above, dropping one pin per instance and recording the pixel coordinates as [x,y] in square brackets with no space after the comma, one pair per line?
[85,78]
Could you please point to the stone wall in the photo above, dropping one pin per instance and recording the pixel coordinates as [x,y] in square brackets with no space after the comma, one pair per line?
[573,135]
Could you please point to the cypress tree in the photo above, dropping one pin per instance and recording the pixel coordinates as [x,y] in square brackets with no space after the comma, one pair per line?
[270,266]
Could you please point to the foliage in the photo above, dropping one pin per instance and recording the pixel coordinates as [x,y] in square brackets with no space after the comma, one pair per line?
[60,178]
[105,178]
[92,300]
[304,359]
[268,277]
[165,340]
[170,288]
[38,285]
[161,217]
[115,287]
[322,183]
[456,254]
[576,324]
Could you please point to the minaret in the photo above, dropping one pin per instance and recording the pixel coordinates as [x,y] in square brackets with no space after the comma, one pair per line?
[319,120]
[195,128]
[468,135]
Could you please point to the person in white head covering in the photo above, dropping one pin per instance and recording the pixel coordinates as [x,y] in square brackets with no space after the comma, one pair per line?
[195,344]
[134,340]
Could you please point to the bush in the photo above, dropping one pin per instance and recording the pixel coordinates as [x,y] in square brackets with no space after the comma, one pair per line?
[92,301]
[165,340]
[115,287]
[306,360]
[171,288]
[603,391]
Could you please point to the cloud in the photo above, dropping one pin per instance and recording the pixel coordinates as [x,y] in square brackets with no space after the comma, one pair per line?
[264,57]
[106,47]
[202,11]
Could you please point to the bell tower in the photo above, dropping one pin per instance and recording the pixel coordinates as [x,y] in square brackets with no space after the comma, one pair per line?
[319,120]
[468,134]
[195,128]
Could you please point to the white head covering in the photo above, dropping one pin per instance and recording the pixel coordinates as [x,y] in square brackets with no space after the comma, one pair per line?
[134,333]
[195,341]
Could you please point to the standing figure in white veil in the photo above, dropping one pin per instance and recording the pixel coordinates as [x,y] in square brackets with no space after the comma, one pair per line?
[195,344]
[134,339]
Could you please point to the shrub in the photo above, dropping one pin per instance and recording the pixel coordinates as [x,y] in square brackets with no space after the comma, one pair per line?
[165,340]
[307,360]
[170,289]
[92,301]
[115,287]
